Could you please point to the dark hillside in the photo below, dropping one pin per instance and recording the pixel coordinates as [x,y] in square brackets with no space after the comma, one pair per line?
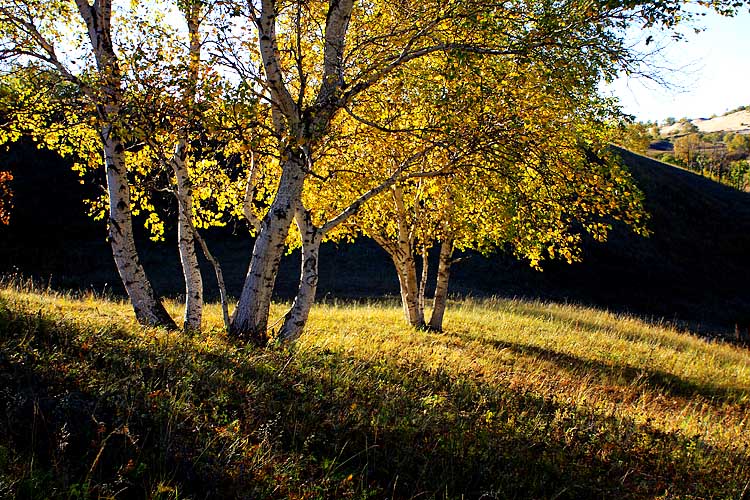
[693,269]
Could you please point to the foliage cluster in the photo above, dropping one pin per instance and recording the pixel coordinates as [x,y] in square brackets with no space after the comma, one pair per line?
[513,399]
[6,197]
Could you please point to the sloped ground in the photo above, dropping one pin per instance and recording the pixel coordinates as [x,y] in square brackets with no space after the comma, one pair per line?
[694,265]
[515,400]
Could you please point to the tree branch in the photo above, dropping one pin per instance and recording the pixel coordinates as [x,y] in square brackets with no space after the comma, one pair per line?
[269,50]
[337,24]
[398,176]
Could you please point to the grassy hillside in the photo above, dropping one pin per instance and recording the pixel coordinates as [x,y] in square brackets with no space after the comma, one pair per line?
[695,265]
[733,121]
[515,400]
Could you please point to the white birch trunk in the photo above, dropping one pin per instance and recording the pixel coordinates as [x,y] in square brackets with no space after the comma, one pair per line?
[405,265]
[251,315]
[441,289]
[407,279]
[296,318]
[148,309]
[191,271]
[186,241]
[423,279]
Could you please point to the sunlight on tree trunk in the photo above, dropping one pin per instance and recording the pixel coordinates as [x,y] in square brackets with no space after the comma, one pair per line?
[424,254]
[251,316]
[441,289]
[148,309]
[296,318]
[186,241]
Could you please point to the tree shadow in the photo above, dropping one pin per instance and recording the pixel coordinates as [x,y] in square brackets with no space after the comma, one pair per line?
[321,423]
[620,374]
[427,432]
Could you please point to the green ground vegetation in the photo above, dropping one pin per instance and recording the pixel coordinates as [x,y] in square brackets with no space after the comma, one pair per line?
[514,400]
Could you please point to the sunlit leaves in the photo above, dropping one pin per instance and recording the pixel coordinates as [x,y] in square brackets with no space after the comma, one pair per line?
[497,100]
[524,151]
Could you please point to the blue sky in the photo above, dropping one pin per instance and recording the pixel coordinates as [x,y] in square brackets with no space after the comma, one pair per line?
[709,73]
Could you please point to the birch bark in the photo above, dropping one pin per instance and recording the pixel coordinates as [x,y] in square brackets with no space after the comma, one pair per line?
[407,279]
[147,307]
[423,278]
[312,237]
[303,126]
[405,264]
[440,300]
[251,315]
[186,241]
[296,318]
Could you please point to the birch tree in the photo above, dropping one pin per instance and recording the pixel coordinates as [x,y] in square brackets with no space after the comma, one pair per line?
[327,220]
[305,63]
[504,148]
[159,75]
[70,45]
[193,13]
[476,172]
[310,61]
[171,90]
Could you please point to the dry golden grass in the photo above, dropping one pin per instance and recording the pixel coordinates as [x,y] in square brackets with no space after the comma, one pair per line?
[586,357]
[514,399]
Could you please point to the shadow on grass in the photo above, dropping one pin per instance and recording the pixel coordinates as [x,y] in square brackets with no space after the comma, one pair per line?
[618,373]
[551,311]
[240,423]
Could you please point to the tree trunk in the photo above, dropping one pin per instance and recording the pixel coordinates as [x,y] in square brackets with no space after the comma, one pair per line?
[186,242]
[441,288]
[423,279]
[148,309]
[296,318]
[407,280]
[219,279]
[406,268]
[251,316]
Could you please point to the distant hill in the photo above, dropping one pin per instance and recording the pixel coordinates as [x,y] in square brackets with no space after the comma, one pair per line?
[738,121]
[694,269]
